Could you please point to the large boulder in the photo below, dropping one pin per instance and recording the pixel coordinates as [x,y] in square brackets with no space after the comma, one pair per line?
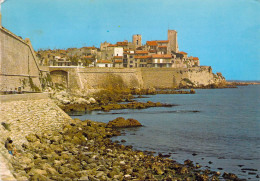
[120,122]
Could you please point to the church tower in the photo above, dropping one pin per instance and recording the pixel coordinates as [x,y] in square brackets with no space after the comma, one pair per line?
[173,44]
[137,40]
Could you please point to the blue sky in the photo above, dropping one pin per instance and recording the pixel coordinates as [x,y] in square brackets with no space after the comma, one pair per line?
[224,34]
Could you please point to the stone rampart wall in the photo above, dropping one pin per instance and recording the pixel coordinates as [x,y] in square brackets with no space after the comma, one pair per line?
[18,63]
[95,78]
[169,77]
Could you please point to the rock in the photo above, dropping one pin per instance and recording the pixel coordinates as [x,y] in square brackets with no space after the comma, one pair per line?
[202,177]
[198,166]
[50,170]
[31,138]
[127,177]
[249,169]
[40,177]
[157,170]
[92,100]
[184,170]
[122,163]
[230,176]
[192,91]
[188,162]
[36,171]
[65,101]
[120,122]
[81,101]
[84,178]
[100,174]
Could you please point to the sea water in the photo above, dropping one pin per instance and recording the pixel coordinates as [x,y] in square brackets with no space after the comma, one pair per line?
[216,128]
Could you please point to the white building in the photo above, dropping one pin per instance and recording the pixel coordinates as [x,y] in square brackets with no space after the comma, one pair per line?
[118,51]
[104,63]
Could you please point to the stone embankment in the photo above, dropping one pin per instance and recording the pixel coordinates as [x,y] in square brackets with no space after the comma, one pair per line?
[23,114]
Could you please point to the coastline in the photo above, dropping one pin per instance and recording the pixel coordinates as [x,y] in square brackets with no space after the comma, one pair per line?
[166,166]
[83,150]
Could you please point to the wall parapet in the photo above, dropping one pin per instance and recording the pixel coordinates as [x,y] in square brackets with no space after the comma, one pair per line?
[23,97]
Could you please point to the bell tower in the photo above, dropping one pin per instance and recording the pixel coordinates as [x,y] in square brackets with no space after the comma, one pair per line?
[173,44]
[137,40]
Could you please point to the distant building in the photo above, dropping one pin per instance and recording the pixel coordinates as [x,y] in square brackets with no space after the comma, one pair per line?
[104,63]
[137,41]
[154,53]
[162,60]
[173,44]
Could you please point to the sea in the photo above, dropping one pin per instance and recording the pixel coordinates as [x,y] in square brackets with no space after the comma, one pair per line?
[218,129]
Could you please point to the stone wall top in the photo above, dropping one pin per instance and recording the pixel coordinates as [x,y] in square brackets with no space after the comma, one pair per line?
[23,97]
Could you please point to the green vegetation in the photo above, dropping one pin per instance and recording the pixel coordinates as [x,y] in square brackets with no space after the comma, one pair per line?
[45,81]
[34,87]
[6,126]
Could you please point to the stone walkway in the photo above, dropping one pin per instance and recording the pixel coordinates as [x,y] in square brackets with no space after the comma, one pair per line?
[5,174]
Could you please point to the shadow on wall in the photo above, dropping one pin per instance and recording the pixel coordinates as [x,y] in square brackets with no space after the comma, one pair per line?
[113,82]
[60,77]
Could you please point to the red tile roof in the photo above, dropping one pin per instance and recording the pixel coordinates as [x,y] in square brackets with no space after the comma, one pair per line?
[112,45]
[118,61]
[122,43]
[195,58]
[163,56]
[104,61]
[118,57]
[152,43]
[141,52]
[163,46]
[90,56]
[183,53]
[143,57]
[163,41]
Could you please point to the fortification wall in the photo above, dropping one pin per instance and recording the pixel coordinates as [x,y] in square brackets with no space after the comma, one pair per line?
[18,67]
[95,78]
[169,77]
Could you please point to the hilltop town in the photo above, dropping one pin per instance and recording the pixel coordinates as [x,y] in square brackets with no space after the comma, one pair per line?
[156,53]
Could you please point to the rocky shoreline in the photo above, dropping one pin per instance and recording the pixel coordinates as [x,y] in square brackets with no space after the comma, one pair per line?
[83,150]
[107,100]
